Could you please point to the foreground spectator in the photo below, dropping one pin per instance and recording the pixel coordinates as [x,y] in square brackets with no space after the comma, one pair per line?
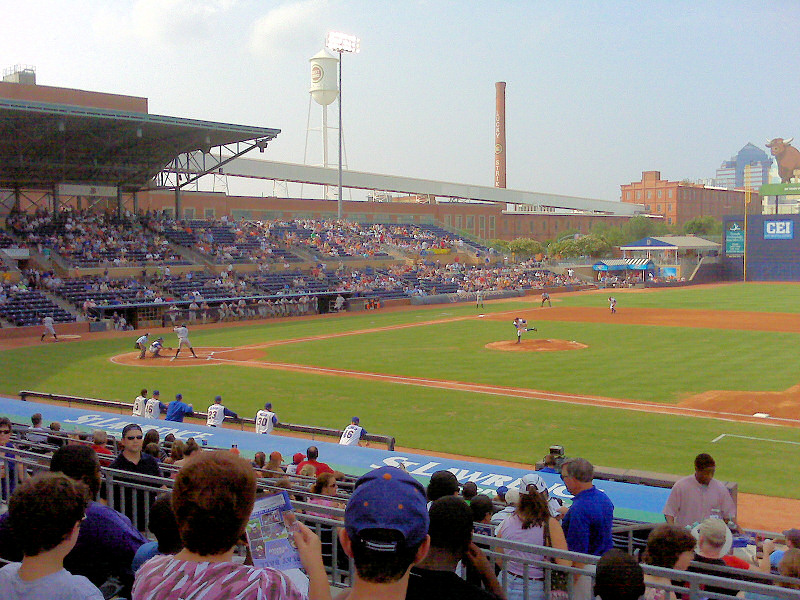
[11,471]
[107,541]
[712,535]
[618,577]
[100,442]
[587,524]
[530,523]
[46,514]
[792,537]
[789,566]
[134,460]
[450,531]
[163,526]
[442,483]
[212,500]
[696,497]
[669,547]
[385,533]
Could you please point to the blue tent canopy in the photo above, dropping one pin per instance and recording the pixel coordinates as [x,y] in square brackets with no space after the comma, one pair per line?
[624,264]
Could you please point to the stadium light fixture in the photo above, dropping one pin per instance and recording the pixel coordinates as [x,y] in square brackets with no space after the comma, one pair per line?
[341,43]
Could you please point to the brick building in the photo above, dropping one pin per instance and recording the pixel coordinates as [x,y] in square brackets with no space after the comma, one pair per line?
[680,201]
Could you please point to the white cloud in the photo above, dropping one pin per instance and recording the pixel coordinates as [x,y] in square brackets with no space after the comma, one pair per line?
[294,25]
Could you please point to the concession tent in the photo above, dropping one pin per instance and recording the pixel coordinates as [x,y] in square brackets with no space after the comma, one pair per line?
[624,264]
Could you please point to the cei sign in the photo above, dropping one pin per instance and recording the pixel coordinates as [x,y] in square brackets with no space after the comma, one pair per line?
[778,230]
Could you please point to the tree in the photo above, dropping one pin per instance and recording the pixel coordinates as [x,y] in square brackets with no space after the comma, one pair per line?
[708,226]
[526,247]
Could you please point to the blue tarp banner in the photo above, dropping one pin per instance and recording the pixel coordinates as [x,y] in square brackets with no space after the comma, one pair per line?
[631,501]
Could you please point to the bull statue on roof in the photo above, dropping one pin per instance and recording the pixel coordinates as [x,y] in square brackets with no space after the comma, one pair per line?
[788,158]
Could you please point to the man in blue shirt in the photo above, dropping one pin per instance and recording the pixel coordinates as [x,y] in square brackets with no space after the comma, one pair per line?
[178,409]
[587,524]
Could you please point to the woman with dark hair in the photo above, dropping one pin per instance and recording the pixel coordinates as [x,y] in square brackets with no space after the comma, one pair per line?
[152,437]
[670,547]
[530,523]
[192,450]
[175,453]
[212,500]
[325,485]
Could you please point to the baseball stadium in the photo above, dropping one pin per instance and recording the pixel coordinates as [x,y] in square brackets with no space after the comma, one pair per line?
[391,313]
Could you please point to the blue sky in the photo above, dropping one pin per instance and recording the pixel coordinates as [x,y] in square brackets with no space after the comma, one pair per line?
[596,93]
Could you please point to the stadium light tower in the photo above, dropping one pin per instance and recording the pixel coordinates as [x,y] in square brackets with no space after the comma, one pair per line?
[341,43]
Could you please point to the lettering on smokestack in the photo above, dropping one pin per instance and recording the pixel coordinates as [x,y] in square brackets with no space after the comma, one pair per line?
[500,135]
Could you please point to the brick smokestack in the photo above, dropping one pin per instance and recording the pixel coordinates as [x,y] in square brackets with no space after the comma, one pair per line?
[500,135]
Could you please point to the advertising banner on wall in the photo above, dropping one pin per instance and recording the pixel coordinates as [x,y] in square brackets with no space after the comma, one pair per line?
[734,238]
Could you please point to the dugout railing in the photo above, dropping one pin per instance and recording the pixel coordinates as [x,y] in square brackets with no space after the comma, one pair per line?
[132,494]
[314,432]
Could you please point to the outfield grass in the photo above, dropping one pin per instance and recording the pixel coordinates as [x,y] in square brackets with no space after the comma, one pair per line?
[623,361]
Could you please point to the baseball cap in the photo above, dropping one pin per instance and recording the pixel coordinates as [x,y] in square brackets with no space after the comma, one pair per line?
[178,396]
[502,490]
[155,392]
[387,498]
[354,420]
[443,483]
[714,530]
[268,406]
[217,398]
[792,535]
[534,480]
[512,496]
[298,458]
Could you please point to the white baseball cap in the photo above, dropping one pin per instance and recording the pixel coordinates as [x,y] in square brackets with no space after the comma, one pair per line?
[532,479]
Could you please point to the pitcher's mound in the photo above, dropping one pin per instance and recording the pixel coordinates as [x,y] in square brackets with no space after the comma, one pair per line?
[535,345]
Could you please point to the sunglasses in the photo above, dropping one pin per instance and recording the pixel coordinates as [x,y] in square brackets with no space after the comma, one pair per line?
[134,437]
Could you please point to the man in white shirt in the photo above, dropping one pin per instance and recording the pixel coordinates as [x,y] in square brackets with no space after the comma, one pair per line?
[266,419]
[352,434]
[49,328]
[217,413]
[154,407]
[139,404]
[183,340]
[141,344]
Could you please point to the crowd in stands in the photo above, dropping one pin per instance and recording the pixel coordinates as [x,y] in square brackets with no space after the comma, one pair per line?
[406,541]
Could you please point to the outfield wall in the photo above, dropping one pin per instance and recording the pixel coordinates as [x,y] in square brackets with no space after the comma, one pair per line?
[631,501]
[773,247]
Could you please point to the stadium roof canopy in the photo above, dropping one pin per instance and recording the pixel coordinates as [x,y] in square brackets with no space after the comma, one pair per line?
[43,144]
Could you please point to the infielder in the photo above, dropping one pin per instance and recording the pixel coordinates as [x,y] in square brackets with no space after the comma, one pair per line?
[139,403]
[352,434]
[612,304]
[479,299]
[521,325]
[141,344]
[154,407]
[546,298]
[49,328]
[266,419]
[183,340]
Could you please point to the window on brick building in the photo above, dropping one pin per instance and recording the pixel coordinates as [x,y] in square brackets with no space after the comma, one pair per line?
[649,194]
[638,194]
[669,193]
[658,194]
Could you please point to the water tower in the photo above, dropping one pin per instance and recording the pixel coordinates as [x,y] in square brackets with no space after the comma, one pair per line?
[324,91]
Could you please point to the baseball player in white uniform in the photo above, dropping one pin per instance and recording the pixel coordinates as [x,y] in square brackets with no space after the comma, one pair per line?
[141,344]
[139,403]
[156,346]
[266,419]
[49,328]
[183,340]
[217,413]
[352,434]
[521,325]
[154,407]
[612,304]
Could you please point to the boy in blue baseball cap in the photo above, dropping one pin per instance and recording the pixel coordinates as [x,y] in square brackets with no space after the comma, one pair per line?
[385,532]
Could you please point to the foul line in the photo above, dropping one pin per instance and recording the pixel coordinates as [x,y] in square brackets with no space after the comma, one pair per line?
[747,437]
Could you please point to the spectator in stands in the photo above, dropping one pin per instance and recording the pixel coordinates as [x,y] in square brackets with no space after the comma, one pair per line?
[191,451]
[712,535]
[175,452]
[11,471]
[297,458]
[550,464]
[618,577]
[107,541]
[587,524]
[163,526]
[450,531]
[59,502]
[669,547]
[259,463]
[178,409]
[442,483]
[312,455]
[530,523]
[58,439]
[500,495]
[482,509]
[132,459]
[792,537]
[469,491]
[696,497]
[100,443]
[385,533]
[212,500]
[274,467]
[36,433]
[789,566]
[151,436]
